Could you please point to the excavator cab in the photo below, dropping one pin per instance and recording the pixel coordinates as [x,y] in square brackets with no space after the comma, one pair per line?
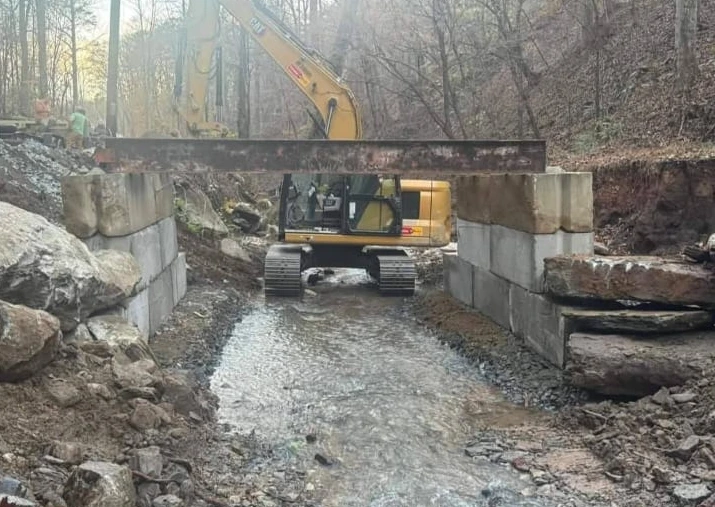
[360,204]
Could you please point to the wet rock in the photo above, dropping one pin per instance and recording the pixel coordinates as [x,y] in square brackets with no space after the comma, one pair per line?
[100,484]
[119,336]
[69,452]
[311,438]
[46,268]
[101,390]
[147,461]
[63,393]
[234,250]
[629,278]
[167,501]
[29,340]
[148,416]
[16,501]
[691,492]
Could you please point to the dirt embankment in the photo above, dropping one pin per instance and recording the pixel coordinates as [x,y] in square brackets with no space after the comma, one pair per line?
[654,207]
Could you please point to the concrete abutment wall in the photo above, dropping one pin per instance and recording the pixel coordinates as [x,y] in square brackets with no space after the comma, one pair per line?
[507,225]
[132,213]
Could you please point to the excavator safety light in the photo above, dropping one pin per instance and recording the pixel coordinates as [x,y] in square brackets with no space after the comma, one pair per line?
[407,231]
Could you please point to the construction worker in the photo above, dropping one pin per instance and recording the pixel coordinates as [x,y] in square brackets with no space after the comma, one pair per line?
[79,127]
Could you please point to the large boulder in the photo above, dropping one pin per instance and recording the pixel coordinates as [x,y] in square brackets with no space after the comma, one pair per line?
[198,211]
[44,267]
[29,340]
[100,484]
[630,278]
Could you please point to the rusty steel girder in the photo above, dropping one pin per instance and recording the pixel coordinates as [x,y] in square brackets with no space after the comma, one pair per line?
[323,156]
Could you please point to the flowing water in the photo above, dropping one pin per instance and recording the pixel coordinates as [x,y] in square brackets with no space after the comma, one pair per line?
[389,406]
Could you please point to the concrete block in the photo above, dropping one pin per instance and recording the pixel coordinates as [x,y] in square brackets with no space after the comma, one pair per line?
[136,311]
[538,322]
[178,273]
[519,256]
[146,249]
[167,241]
[473,198]
[473,243]
[542,203]
[78,202]
[161,299]
[164,194]
[491,296]
[457,278]
[127,203]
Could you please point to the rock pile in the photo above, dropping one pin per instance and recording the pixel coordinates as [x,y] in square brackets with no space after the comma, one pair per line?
[634,324]
[59,304]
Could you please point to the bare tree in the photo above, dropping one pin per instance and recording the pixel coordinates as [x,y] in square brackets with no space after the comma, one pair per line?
[686,28]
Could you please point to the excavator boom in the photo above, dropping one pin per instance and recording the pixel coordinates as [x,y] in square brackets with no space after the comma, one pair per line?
[334,101]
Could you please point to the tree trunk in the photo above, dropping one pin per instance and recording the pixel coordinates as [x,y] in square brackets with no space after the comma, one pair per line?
[686,29]
[24,59]
[41,13]
[73,46]
[244,109]
[313,23]
[345,34]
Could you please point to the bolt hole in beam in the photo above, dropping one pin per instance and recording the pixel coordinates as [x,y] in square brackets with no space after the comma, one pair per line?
[323,156]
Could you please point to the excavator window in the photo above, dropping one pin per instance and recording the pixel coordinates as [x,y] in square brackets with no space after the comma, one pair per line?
[329,203]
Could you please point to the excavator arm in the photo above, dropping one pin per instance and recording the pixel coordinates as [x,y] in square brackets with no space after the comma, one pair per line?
[335,103]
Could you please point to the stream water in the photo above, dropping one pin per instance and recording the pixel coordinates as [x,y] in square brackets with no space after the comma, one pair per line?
[388,406]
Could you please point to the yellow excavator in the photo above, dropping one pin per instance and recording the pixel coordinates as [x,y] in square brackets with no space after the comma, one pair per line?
[325,220]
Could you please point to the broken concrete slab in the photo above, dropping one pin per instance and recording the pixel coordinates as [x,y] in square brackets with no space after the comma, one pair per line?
[630,365]
[538,321]
[473,243]
[630,278]
[519,256]
[637,321]
[457,278]
[491,296]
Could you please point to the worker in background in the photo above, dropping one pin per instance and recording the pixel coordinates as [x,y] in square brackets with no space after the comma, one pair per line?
[79,128]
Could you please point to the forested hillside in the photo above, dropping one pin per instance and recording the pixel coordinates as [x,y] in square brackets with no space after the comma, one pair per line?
[581,73]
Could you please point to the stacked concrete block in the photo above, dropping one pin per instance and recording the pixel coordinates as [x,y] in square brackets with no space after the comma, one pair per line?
[132,213]
[507,225]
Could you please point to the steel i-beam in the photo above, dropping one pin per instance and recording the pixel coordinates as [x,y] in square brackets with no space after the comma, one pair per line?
[323,156]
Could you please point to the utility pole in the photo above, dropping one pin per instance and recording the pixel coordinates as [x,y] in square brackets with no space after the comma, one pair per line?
[113,69]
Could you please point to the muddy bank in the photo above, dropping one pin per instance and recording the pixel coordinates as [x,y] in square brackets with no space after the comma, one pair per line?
[654,207]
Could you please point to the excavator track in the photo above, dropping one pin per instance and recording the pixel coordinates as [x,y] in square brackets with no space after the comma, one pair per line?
[397,274]
[282,271]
